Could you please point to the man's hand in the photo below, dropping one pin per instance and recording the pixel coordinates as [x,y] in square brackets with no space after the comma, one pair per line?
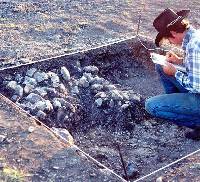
[171,57]
[169,69]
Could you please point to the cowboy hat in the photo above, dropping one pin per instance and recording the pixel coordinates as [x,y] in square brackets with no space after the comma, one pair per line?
[167,18]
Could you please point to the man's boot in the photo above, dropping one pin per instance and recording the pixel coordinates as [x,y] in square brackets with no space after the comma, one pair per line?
[194,135]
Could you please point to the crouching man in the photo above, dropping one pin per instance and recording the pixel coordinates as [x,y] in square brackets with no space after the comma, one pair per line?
[181,103]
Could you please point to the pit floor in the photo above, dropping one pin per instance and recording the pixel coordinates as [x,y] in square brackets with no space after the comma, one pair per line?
[152,144]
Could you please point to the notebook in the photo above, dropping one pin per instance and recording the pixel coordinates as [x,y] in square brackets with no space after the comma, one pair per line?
[161,59]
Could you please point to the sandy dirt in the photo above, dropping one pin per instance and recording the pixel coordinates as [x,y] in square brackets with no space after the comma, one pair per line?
[39,29]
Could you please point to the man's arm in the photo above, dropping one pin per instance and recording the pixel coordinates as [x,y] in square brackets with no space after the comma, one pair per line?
[169,69]
[172,57]
[191,79]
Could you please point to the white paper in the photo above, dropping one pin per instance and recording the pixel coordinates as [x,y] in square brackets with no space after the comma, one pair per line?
[160,59]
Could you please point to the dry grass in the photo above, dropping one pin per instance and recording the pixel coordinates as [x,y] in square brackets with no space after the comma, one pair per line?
[11,175]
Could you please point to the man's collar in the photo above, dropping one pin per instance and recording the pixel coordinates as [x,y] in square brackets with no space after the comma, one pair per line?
[187,37]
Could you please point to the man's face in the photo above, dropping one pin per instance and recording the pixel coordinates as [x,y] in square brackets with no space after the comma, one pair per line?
[176,39]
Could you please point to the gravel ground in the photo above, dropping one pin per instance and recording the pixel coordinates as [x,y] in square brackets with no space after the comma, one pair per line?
[31,30]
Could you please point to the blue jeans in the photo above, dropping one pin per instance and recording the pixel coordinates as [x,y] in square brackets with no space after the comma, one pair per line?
[177,105]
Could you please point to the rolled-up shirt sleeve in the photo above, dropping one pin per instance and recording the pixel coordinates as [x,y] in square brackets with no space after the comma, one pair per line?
[191,79]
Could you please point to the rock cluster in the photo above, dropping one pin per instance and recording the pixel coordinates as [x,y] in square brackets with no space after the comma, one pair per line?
[43,94]
[62,99]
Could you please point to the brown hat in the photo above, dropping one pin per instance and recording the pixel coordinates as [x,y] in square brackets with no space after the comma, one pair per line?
[167,18]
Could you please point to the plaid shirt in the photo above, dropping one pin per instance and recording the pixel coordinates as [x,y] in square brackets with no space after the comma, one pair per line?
[191,45]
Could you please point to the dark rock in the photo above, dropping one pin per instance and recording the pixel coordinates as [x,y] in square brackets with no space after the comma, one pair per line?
[2,138]
[40,76]
[83,82]
[33,98]
[31,72]
[91,69]
[41,115]
[29,81]
[14,98]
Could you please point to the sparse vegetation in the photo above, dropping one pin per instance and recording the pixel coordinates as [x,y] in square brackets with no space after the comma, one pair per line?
[9,174]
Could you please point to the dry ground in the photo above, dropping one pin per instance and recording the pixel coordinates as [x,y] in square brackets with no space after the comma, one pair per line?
[38,29]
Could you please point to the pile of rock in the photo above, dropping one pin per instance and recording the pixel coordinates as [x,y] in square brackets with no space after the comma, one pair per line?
[62,99]
[42,93]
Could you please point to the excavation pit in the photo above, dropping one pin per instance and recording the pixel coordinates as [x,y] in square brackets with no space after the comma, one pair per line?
[98,95]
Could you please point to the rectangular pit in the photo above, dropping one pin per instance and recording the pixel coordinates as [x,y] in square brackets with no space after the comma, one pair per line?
[104,101]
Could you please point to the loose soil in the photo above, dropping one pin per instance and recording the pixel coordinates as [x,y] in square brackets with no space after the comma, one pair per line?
[39,29]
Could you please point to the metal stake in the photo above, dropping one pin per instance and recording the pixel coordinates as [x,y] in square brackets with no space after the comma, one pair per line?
[122,161]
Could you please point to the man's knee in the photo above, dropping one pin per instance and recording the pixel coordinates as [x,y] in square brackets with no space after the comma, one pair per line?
[154,105]
[159,69]
[150,106]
